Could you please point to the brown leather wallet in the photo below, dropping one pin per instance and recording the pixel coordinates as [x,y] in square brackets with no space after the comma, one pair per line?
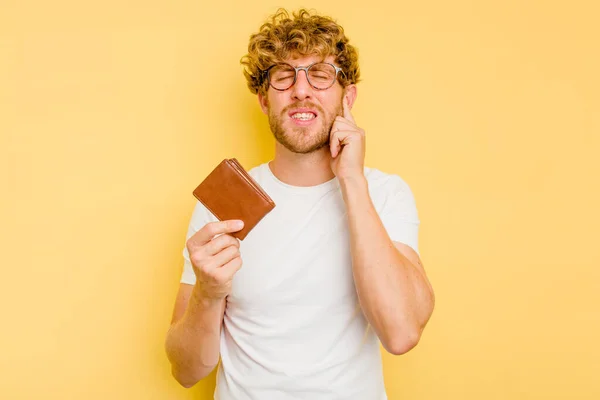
[229,192]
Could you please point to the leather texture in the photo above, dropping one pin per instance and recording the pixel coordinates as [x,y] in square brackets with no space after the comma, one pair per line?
[229,192]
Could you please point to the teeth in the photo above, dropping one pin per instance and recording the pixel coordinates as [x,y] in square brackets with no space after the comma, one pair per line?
[303,116]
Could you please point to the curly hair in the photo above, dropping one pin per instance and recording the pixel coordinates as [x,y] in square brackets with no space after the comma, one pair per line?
[282,37]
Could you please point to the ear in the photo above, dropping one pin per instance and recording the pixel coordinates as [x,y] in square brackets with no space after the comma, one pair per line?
[350,93]
[264,103]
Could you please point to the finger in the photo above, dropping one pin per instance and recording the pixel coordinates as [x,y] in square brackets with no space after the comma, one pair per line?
[347,113]
[342,122]
[223,257]
[210,230]
[340,139]
[334,144]
[334,148]
[332,138]
[229,269]
[219,243]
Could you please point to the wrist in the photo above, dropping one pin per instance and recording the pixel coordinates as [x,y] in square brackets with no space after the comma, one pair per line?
[354,184]
[201,298]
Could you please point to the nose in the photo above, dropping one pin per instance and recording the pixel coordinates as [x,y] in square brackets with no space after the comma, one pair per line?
[301,89]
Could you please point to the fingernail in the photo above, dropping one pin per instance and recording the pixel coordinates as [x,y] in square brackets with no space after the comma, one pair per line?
[239,224]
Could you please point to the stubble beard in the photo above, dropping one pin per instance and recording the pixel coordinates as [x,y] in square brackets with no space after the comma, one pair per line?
[299,139]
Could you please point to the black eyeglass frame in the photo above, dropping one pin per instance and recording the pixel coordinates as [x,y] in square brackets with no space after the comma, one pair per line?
[266,72]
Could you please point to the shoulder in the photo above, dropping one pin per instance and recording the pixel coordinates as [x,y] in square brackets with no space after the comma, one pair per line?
[258,172]
[384,184]
[395,203]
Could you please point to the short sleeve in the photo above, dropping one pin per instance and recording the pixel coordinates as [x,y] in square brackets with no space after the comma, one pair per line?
[399,213]
[200,217]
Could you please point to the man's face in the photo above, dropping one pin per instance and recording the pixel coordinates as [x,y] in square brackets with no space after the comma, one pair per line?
[301,117]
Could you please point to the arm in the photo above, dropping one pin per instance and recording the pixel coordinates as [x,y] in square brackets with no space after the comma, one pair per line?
[193,339]
[192,342]
[393,290]
[392,287]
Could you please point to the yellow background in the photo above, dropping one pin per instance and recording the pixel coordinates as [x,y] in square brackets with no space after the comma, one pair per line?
[112,112]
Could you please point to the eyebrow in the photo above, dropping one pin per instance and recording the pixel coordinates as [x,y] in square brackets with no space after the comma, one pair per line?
[314,62]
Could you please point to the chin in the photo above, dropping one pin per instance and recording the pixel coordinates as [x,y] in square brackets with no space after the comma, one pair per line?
[301,140]
[304,148]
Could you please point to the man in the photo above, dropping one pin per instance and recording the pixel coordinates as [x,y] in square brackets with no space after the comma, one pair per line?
[332,271]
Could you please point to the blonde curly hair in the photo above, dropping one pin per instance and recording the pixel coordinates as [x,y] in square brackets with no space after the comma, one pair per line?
[282,37]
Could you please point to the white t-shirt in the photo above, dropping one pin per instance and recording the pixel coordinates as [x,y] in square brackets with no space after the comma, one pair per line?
[293,327]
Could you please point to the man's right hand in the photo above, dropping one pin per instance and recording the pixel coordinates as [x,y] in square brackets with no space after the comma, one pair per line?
[215,259]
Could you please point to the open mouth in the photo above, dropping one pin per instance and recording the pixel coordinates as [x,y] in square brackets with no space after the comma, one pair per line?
[303,116]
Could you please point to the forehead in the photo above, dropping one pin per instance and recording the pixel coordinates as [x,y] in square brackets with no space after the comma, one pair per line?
[303,60]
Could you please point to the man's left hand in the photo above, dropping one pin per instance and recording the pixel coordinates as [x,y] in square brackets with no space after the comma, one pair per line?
[347,146]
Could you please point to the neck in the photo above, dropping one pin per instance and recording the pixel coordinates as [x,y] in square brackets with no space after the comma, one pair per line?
[302,169]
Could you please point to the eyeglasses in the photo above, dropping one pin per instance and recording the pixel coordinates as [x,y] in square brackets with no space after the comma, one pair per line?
[320,75]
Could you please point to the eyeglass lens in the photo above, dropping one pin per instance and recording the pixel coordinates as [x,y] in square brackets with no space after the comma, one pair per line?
[320,75]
